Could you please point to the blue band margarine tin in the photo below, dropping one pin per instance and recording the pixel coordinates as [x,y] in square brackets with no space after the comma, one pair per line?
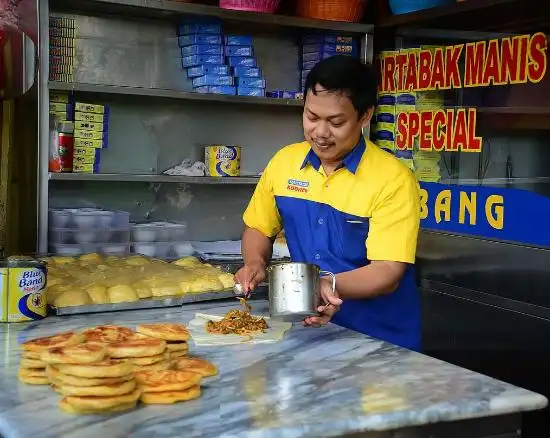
[223,160]
[22,290]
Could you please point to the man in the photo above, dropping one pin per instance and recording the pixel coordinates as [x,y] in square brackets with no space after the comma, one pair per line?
[346,206]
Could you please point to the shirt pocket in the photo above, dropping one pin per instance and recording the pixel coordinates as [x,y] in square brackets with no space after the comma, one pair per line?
[354,232]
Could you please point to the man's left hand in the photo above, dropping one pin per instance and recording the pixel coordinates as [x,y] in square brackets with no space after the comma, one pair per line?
[329,305]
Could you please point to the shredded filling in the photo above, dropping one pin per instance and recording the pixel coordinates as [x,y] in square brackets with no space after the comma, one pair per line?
[238,322]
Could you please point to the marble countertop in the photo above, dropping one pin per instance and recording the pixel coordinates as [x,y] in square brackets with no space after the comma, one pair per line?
[317,382]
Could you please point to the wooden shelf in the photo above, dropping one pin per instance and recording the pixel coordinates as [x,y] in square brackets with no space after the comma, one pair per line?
[478,15]
[172,9]
[173,94]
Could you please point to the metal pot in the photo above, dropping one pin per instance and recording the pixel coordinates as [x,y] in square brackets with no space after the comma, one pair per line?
[294,290]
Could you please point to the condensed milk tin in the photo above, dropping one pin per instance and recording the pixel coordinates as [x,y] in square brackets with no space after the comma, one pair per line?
[222,160]
[22,290]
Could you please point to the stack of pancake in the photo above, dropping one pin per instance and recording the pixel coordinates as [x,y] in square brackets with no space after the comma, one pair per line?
[90,381]
[141,353]
[108,368]
[175,336]
[32,368]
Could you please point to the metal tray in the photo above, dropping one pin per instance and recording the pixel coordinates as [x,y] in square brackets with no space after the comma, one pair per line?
[152,303]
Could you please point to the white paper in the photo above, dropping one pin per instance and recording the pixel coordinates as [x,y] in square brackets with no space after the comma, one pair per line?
[197,326]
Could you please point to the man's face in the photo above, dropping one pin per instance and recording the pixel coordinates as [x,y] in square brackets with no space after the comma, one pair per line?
[331,124]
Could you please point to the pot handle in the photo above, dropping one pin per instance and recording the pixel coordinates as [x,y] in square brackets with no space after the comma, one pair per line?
[331,275]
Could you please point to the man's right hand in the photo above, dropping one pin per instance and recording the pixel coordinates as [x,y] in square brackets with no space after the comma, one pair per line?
[250,276]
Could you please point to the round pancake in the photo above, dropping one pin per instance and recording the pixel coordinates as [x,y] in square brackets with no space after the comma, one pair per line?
[99,403]
[105,368]
[30,355]
[177,346]
[168,332]
[65,379]
[136,348]
[106,334]
[176,354]
[60,340]
[100,390]
[148,360]
[33,377]
[159,366]
[167,380]
[66,407]
[32,372]
[31,363]
[196,365]
[74,354]
[164,398]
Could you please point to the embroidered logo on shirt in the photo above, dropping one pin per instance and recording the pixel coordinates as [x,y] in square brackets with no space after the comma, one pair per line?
[297,185]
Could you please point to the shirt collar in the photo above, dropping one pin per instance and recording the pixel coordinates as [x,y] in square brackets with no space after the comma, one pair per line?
[351,162]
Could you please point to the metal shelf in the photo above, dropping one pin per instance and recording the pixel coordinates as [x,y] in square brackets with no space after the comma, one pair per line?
[173,9]
[121,177]
[173,94]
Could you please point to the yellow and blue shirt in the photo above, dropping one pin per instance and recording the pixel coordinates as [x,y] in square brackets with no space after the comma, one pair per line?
[368,209]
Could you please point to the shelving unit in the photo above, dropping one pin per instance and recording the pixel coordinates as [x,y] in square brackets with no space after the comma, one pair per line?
[124,60]
[172,94]
[175,179]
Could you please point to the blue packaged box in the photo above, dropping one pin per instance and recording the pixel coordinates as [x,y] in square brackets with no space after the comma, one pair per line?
[199,38]
[194,60]
[247,72]
[251,82]
[284,94]
[201,70]
[241,61]
[239,51]
[317,56]
[238,40]
[211,80]
[190,28]
[219,89]
[202,49]
[250,91]
[308,65]
[335,49]
[326,38]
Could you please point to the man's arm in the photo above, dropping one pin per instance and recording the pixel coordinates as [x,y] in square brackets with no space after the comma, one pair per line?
[256,247]
[391,242]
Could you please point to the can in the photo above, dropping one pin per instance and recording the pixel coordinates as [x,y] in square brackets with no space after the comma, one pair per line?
[22,290]
[222,160]
[66,150]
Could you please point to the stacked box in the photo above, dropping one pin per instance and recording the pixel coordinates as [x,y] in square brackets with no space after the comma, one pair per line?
[90,136]
[218,63]
[318,46]
[62,33]
[62,106]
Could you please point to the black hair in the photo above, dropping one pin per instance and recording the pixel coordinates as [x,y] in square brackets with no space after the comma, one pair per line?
[346,75]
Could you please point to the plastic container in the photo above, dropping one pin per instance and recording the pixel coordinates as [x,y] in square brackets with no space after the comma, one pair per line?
[268,6]
[89,218]
[60,218]
[183,249]
[405,6]
[159,232]
[72,236]
[336,10]
[114,249]
[152,249]
[73,249]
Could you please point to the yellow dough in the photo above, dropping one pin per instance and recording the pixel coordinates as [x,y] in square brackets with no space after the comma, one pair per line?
[137,261]
[98,294]
[122,293]
[73,298]
[142,289]
[92,257]
[188,261]
[205,283]
[227,280]
[59,260]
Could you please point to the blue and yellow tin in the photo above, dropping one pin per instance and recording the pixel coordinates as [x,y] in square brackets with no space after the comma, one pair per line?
[22,290]
[223,160]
